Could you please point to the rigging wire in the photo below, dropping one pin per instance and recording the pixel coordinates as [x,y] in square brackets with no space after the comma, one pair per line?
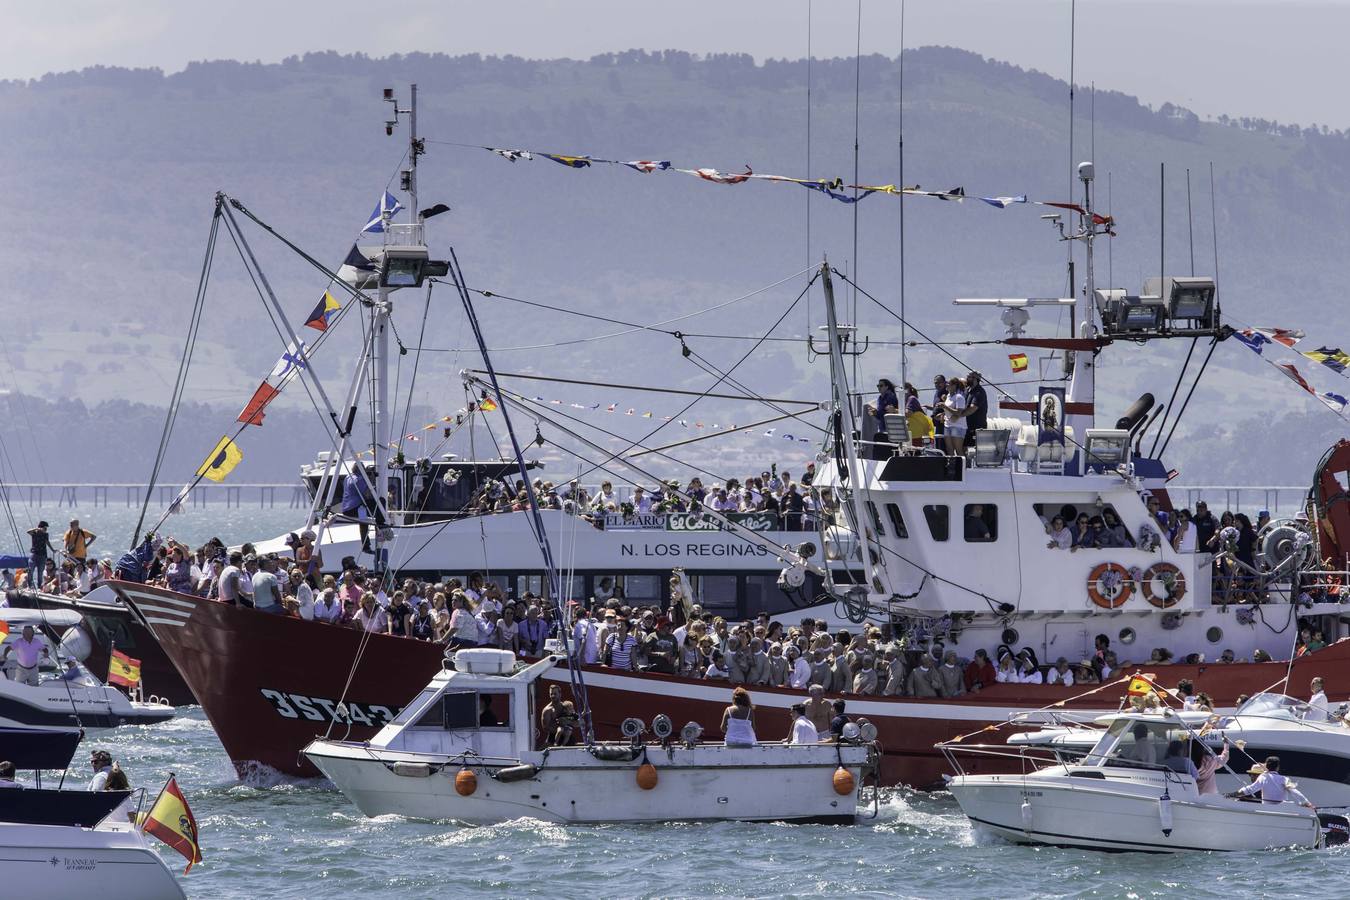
[185,361]
[417,361]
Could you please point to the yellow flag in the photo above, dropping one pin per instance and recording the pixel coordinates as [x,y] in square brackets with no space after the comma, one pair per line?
[222,460]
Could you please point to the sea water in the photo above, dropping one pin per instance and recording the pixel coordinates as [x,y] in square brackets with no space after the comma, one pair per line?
[289,838]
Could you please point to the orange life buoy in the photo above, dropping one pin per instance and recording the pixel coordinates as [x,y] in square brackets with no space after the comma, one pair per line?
[1109,585]
[1173,581]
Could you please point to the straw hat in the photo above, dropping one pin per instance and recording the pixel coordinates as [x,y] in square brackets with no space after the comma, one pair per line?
[1258,769]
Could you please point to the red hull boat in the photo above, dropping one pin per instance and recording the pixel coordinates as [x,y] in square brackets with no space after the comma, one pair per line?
[270,684]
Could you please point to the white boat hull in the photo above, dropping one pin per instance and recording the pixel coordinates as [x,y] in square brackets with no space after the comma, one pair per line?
[54,704]
[708,783]
[103,863]
[1125,816]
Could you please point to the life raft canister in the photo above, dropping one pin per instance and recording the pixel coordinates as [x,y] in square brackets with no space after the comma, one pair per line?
[1173,581]
[1109,585]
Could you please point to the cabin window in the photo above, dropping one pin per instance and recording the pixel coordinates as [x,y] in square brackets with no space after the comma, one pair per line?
[876,519]
[936,516]
[1091,526]
[642,588]
[715,593]
[494,709]
[980,523]
[897,521]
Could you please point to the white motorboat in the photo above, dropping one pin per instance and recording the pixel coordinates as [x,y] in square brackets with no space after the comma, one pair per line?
[465,749]
[60,703]
[72,843]
[1121,797]
[1315,753]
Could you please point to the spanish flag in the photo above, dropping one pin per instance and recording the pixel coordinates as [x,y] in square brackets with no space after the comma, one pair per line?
[323,313]
[222,460]
[123,670]
[172,822]
[1141,686]
[1018,361]
[488,405]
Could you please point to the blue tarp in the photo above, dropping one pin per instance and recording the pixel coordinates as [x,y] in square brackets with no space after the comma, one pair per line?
[13,562]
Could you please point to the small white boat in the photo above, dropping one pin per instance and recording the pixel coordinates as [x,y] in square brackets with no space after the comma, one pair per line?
[464,749]
[1315,753]
[57,703]
[1119,796]
[74,843]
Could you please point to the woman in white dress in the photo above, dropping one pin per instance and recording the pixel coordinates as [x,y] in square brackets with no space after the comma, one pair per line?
[738,721]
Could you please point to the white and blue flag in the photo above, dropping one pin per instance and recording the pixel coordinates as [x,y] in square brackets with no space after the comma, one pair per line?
[388,204]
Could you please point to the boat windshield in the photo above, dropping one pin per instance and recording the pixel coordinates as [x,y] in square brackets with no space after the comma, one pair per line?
[1273,706]
[1135,742]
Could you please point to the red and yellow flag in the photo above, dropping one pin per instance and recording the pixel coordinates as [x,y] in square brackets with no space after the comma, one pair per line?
[123,670]
[1141,685]
[172,822]
[1018,362]
[488,405]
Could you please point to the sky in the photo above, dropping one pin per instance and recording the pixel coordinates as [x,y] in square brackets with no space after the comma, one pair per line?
[1280,59]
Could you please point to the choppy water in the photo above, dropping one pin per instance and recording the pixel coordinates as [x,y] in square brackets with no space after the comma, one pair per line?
[299,839]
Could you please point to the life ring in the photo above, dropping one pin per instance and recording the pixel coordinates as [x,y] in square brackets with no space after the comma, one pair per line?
[1109,585]
[1174,583]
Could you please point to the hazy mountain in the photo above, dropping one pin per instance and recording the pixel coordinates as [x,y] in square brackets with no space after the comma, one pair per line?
[112,173]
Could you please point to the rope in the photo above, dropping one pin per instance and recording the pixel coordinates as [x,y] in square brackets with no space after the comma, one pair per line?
[184,362]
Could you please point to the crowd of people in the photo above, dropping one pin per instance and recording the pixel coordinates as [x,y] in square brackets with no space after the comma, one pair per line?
[959,408]
[793,502]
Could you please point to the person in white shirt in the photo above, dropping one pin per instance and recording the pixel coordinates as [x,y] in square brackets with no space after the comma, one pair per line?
[1061,674]
[1273,786]
[1030,673]
[604,497]
[799,676]
[29,651]
[101,762]
[303,593]
[1317,703]
[642,504]
[1061,537]
[371,616]
[584,638]
[328,608]
[803,729]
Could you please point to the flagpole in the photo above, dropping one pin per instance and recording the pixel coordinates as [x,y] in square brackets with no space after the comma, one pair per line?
[141,823]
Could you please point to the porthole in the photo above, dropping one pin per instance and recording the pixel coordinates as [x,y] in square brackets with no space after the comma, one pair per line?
[1010,636]
[1126,636]
[1214,634]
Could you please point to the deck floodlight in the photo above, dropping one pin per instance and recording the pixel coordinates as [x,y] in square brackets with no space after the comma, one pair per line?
[403,266]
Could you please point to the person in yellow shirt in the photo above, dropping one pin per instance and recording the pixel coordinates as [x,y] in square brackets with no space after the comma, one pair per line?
[78,541]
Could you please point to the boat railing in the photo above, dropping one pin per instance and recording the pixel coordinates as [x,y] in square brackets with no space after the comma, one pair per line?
[1032,757]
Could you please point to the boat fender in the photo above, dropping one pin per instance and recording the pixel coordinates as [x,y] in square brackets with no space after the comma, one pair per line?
[411,769]
[523,772]
[646,776]
[1165,812]
[1109,585]
[1026,814]
[614,753]
[465,782]
[843,782]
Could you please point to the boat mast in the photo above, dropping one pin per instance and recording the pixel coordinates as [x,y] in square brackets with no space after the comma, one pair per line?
[844,430]
[1082,386]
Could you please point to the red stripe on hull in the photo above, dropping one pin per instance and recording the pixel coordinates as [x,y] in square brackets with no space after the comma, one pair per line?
[268,684]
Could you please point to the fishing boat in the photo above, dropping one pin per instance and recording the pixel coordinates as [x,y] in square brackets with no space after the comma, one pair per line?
[948,550]
[465,749]
[1117,798]
[75,698]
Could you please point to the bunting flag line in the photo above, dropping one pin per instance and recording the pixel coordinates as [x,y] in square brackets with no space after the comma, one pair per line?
[221,461]
[291,362]
[1251,339]
[576,162]
[323,312]
[834,188]
[1288,369]
[253,410]
[1285,336]
[1018,362]
[1334,358]
[388,204]
[1335,401]
[487,404]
